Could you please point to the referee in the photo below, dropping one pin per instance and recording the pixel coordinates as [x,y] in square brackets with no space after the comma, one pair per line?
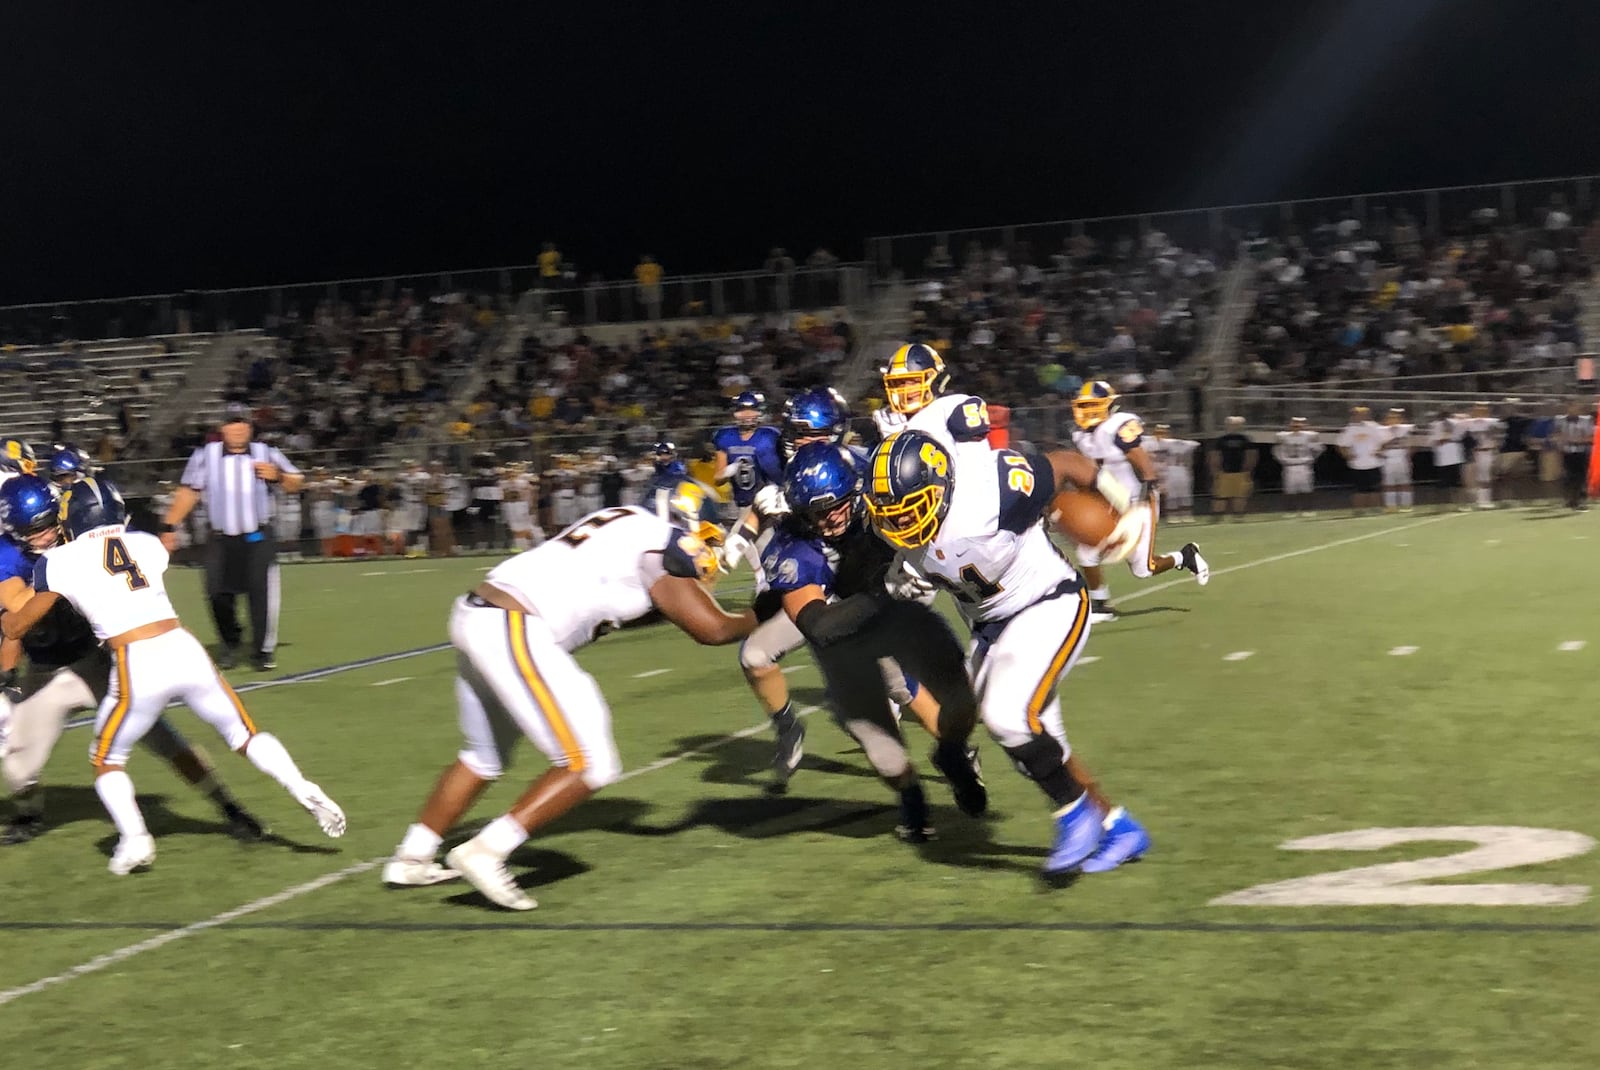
[232,477]
[1574,436]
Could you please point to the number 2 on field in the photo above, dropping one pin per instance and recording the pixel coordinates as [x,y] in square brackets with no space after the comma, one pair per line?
[1395,883]
[119,563]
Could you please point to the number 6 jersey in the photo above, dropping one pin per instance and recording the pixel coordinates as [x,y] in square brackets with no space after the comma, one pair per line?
[115,577]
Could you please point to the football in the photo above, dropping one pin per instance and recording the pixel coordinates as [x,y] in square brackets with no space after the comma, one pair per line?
[1083,516]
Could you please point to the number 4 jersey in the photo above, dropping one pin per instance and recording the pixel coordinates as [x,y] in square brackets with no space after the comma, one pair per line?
[992,553]
[596,575]
[115,577]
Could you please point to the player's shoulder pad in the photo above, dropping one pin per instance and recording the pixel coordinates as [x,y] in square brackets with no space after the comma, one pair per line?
[793,561]
[14,560]
[1126,430]
[1027,486]
[969,419]
[722,436]
[769,434]
[688,557]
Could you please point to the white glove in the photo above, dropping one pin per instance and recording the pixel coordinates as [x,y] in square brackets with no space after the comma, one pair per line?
[1126,536]
[1112,490]
[731,552]
[770,504]
[888,420]
[902,582]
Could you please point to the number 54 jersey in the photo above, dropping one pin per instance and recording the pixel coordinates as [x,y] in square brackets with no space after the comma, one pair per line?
[992,553]
[115,577]
[596,575]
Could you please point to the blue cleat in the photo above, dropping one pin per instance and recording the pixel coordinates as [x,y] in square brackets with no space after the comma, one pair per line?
[1125,841]
[1078,834]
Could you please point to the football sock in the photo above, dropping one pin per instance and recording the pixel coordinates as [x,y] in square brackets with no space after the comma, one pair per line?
[1390,499]
[1101,594]
[116,792]
[503,835]
[1407,498]
[1177,560]
[783,720]
[420,842]
[268,755]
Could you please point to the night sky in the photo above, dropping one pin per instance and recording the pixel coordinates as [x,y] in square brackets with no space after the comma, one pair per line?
[218,144]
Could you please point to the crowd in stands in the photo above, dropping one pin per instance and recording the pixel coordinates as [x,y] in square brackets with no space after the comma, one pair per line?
[1025,328]
[1344,302]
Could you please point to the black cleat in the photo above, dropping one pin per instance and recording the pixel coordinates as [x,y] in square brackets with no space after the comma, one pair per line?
[1193,562]
[914,826]
[242,824]
[1101,611]
[961,770]
[23,827]
[265,662]
[229,658]
[786,756]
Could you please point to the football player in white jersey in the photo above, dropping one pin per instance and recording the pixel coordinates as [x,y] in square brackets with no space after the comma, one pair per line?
[1486,433]
[1296,452]
[1115,441]
[1361,443]
[518,507]
[915,382]
[971,523]
[1174,458]
[514,637]
[115,578]
[1397,449]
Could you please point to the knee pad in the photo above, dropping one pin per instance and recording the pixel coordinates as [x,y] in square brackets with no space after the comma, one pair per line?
[483,766]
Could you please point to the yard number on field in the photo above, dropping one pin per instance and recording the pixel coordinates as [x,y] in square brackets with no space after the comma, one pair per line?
[1396,883]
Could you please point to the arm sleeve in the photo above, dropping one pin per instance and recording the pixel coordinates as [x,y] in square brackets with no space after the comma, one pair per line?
[1024,496]
[826,623]
[194,473]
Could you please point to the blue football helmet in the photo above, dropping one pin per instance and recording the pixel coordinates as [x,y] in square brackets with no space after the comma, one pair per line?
[68,463]
[90,503]
[30,508]
[17,456]
[663,453]
[823,488]
[816,415]
[747,410]
[915,375]
[908,489]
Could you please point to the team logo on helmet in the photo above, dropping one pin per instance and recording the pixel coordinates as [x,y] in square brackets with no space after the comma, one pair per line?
[908,490]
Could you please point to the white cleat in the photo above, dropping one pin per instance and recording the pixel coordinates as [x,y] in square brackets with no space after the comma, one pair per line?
[133,853]
[324,809]
[486,871]
[416,873]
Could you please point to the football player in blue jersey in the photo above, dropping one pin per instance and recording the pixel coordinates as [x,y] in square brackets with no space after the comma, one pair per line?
[68,464]
[669,472]
[749,454]
[67,670]
[829,572]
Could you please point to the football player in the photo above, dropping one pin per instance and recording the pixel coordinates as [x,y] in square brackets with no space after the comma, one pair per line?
[669,471]
[67,670]
[1115,441]
[1174,459]
[1397,449]
[749,454]
[68,463]
[514,637]
[1361,444]
[916,382]
[823,552]
[1486,432]
[519,498]
[16,459]
[115,578]
[1296,453]
[970,523]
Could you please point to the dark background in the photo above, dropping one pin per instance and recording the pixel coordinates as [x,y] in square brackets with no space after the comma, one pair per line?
[216,144]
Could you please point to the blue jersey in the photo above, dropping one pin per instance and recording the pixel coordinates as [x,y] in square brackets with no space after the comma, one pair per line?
[758,460]
[667,478]
[63,636]
[796,558]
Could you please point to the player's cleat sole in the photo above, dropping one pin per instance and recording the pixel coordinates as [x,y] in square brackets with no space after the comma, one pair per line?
[1078,835]
[961,770]
[416,873]
[133,853]
[486,871]
[1125,842]
[324,809]
[1102,612]
[242,824]
[1193,562]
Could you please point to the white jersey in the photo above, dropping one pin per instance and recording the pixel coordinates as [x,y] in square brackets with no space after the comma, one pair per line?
[1297,447]
[1109,442]
[1399,442]
[114,577]
[1485,431]
[1365,442]
[992,552]
[953,419]
[1172,453]
[596,575]
[1446,435]
[517,491]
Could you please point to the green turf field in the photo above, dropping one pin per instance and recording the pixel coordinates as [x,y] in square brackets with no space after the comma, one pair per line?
[1336,676]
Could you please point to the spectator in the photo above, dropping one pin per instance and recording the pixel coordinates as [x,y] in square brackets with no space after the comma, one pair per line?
[1233,459]
[647,276]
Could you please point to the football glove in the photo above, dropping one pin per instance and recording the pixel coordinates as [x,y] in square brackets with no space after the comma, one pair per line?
[770,504]
[1125,537]
[888,420]
[731,552]
[1112,490]
[903,583]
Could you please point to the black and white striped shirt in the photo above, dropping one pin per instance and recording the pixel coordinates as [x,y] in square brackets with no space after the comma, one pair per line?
[1574,434]
[237,501]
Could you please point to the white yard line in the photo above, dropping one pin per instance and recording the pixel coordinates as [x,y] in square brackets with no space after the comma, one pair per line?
[1238,655]
[650,673]
[395,680]
[401,571]
[1403,651]
[1572,645]
[122,954]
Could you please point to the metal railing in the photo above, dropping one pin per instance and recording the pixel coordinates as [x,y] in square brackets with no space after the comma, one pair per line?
[1434,211]
[237,308]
